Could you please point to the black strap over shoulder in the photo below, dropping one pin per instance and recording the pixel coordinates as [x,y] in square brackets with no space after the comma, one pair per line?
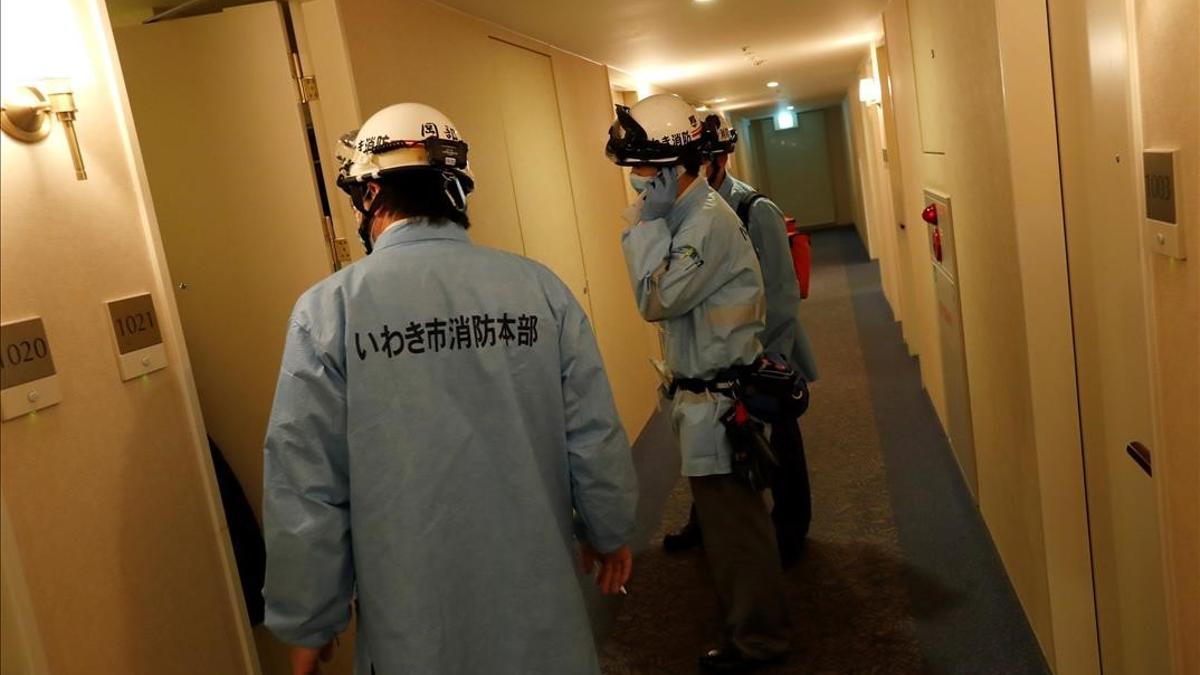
[744,206]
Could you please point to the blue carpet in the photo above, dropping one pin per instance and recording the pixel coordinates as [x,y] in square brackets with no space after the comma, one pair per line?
[967,614]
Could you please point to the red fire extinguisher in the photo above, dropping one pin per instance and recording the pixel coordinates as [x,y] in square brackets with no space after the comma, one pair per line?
[801,245]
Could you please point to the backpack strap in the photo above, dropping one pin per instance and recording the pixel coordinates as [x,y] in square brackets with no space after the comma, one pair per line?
[744,206]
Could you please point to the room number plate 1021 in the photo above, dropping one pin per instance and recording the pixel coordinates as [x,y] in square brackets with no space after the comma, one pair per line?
[28,380]
[136,336]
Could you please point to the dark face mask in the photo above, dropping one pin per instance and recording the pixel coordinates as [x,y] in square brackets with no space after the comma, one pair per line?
[716,173]
[364,231]
[366,218]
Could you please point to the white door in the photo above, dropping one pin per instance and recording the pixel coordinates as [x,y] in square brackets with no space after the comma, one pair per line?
[223,136]
[225,143]
[537,159]
[1091,60]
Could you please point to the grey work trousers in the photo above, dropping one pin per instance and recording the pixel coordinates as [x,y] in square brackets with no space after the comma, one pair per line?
[739,540]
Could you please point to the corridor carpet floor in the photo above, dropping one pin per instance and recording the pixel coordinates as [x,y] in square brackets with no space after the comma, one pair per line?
[859,602]
[969,619]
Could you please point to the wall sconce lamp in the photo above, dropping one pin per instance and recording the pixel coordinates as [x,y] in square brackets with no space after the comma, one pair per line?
[29,111]
[868,91]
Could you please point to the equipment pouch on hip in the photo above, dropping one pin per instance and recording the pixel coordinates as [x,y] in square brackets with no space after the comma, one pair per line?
[752,460]
[772,389]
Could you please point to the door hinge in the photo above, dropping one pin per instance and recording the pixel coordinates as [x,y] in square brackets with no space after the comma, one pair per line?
[306,85]
[341,249]
[308,89]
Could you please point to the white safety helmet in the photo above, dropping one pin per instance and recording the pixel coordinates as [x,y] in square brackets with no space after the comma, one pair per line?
[402,137]
[719,135]
[660,129]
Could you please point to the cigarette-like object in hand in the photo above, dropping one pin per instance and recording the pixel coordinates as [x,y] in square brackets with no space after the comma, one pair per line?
[597,570]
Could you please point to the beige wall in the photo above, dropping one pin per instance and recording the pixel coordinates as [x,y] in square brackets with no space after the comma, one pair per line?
[900,228]
[827,200]
[865,178]
[881,225]
[920,328]
[110,494]
[21,651]
[974,171]
[627,342]
[1168,53]
[996,157]
[743,158]
[457,82]
[796,168]
[839,165]
[759,128]
[857,182]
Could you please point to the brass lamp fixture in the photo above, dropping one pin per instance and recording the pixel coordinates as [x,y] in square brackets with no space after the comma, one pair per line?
[28,113]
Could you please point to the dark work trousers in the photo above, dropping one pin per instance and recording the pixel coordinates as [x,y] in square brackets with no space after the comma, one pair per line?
[792,514]
[739,542]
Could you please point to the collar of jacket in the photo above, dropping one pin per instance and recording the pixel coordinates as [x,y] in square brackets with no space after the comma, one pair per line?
[689,201]
[730,189]
[416,230]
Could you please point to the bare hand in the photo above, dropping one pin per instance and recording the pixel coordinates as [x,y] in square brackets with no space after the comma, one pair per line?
[307,660]
[615,567]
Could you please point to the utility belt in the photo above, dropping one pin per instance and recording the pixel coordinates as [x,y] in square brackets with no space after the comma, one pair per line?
[725,383]
[767,391]
[770,388]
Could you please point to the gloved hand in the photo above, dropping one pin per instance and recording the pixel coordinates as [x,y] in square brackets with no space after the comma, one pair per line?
[661,194]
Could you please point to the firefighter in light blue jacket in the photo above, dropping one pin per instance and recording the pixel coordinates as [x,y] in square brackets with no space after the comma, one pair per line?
[784,335]
[694,272]
[441,411]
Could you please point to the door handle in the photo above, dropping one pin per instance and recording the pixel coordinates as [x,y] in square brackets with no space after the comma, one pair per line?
[183,286]
[1141,455]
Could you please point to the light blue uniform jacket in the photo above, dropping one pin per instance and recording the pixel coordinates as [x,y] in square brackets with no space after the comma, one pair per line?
[441,408]
[695,273]
[785,333]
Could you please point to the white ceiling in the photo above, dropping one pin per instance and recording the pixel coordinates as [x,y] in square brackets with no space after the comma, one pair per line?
[811,47]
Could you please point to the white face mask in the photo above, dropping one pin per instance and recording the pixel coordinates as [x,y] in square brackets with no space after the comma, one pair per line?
[640,183]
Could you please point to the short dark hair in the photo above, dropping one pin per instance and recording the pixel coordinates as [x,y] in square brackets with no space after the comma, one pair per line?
[691,159]
[419,193]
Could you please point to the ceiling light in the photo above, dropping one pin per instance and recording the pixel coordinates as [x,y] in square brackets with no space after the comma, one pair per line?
[791,107]
[703,2]
[772,84]
[720,100]
[702,108]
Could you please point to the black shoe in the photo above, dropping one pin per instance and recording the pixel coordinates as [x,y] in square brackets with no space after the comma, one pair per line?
[684,539]
[790,554]
[732,660]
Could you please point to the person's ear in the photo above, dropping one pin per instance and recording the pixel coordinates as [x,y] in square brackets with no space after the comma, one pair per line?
[370,195]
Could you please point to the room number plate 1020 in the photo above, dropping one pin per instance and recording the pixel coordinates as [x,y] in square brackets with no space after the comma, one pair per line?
[136,336]
[28,380]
